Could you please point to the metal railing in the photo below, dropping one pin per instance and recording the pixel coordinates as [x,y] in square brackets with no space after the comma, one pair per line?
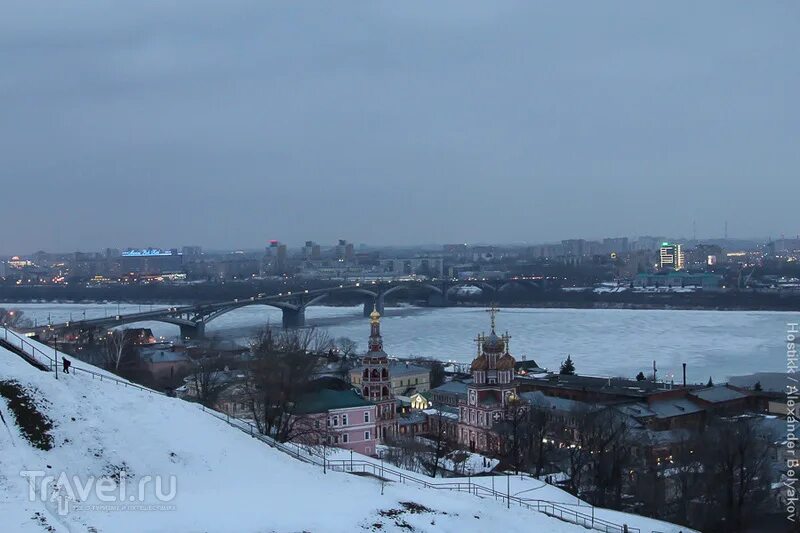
[310,455]
[25,345]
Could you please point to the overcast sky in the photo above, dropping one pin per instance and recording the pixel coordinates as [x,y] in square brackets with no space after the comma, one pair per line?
[227,124]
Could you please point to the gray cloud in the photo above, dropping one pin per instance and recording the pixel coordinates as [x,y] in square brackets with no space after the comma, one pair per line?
[227,124]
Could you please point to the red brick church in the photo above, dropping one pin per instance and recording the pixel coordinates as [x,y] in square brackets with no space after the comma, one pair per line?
[489,393]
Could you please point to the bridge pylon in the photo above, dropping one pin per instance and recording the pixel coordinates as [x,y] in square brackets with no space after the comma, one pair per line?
[294,318]
[197,331]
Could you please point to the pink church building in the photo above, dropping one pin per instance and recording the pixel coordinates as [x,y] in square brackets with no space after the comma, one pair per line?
[341,418]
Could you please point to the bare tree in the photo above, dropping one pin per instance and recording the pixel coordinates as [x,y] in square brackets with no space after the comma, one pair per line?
[278,376]
[537,427]
[513,427]
[347,346]
[311,339]
[208,381]
[113,349]
[439,441]
[736,480]
[13,318]
[409,453]
[578,452]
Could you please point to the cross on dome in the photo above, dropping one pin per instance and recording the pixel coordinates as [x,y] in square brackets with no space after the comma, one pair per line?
[493,314]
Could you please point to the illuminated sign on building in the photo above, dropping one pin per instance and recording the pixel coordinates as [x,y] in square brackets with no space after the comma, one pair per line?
[147,252]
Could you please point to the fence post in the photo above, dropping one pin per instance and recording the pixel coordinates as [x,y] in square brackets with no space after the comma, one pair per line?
[508,491]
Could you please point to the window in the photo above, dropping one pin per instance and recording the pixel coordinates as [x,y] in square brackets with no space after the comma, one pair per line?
[416,380]
[336,439]
[366,435]
[335,420]
[316,424]
[344,420]
[345,438]
[366,416]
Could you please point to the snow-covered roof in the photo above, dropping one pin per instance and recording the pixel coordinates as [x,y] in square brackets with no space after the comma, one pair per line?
[718,394]
[673,407]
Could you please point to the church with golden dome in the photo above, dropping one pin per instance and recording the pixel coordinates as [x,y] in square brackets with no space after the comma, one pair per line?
[376,383]
[492,390]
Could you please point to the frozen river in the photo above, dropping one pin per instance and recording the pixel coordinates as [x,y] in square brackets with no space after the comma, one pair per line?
[602,342]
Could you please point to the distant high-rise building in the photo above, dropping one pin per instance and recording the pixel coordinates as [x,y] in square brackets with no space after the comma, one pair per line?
[191,252]
[275,258]
[671,256]
[648,243]
[311,251]
[574,247]
[345,251]
[616,245]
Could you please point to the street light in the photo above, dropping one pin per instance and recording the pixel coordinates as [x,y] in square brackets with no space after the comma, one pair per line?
[55,353]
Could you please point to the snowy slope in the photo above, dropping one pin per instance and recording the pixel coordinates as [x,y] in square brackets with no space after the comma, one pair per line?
[531,489]
[226,481]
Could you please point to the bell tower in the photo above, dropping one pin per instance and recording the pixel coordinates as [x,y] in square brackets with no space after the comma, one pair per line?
[376,384]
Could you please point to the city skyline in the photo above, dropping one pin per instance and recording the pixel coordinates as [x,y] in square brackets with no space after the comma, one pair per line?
[426,246]
[396,124]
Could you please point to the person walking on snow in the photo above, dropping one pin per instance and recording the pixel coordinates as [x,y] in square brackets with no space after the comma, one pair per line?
[67,364]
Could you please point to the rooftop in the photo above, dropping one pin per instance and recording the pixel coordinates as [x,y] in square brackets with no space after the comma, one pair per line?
[606,385]
[673,407]
[164,356]
[538,398]
[718,394]
[453,387]
[326,400]
[399,369]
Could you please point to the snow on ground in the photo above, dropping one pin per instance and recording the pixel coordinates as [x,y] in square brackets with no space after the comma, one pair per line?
[606,342]
[225,480]
[529,488]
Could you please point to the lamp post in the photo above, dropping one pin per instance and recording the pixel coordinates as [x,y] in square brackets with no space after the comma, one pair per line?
[55,353]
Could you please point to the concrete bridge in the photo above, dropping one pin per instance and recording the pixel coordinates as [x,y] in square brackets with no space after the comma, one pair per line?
[192,319]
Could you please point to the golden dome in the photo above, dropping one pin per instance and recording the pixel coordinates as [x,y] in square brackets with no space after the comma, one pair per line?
[374,316]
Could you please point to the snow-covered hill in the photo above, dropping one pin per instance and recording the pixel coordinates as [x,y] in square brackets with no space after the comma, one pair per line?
[225,480]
